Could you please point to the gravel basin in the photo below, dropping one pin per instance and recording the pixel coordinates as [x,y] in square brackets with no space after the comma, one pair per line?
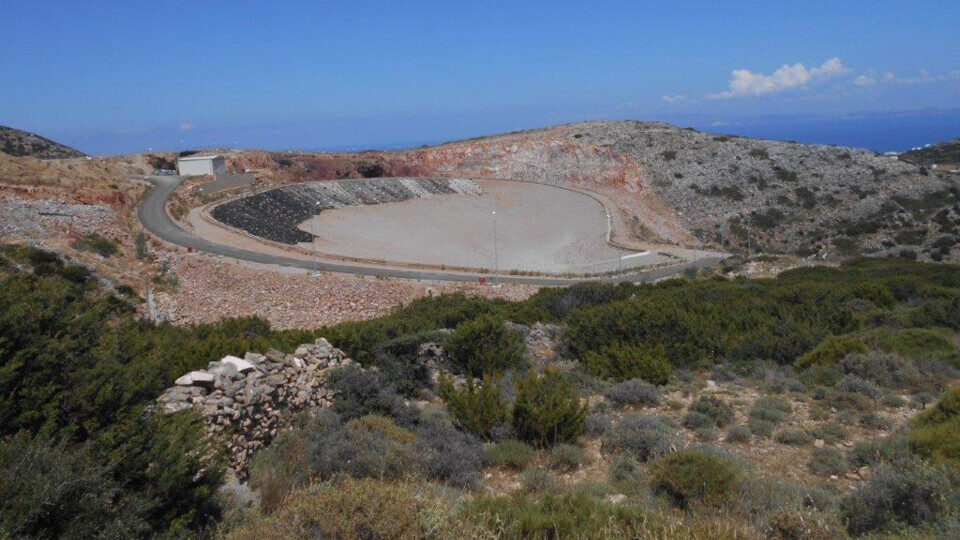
[539,228]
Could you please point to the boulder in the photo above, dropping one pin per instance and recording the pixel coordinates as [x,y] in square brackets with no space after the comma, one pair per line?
[240,364]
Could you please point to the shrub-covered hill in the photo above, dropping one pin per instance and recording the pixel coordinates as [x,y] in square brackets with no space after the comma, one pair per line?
[620,434]
[20,143]
[936,154]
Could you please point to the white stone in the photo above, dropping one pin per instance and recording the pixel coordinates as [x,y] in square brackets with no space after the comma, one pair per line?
[185,380]
[199,378]
[242,365]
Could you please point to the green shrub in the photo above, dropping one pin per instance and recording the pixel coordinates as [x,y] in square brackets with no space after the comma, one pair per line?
[793,437]
[479,410]
[361,392]
[574,514]
[830,432]
[715,408]
[626,473]
[567,457]
[706,433]
[596,424]
[537,480]
[774,409]
[689,476]
[739,435]
[827,461]
[484,345]
[893,401]
[643,437]
[872,420]
[910,494]
[281,468]
[761,428]
[872,452]
[632,392]
[443,453]
[696,420]
[547,409]
[831,350]
[512,454]
[361,448]
[623,362]
[101,245]
[935,433]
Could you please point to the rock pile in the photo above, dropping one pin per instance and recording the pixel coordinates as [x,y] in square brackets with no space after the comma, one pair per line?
[248,400]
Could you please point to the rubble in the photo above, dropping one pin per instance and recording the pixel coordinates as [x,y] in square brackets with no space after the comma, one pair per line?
[248,400]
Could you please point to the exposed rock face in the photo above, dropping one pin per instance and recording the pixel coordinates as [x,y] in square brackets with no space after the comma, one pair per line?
[249,400]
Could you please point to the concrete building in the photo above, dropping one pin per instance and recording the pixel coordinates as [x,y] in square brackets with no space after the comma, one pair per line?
[199,165]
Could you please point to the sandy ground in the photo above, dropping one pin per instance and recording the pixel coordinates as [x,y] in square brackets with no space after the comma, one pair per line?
[539,228]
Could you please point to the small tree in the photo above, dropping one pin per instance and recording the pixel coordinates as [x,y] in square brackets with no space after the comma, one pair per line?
[484,345]
[547,409]
[478,409]
[141,243]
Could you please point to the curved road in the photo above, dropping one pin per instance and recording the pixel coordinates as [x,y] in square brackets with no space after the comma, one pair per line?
[153,215]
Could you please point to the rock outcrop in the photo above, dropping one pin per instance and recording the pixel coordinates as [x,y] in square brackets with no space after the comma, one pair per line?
[247,401]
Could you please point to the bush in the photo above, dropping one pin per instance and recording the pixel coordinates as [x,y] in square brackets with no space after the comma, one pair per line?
[706,433]
[739,435]
[573,514]
[873,420]
[770,409]
[695,420]
[890,370]
[827,460]
[361,392]
[793,437]
[626,473]
[512,454]
[479,410]
[101,245]
[365,508]
[484,345]
[893,401]
[644,437]
[537,481]
[281,468]
[567,457]
[364,447]
[831,350]
[632,392]
[621,362]
[872,452]
[547,409]
[936,432]
[830,432]
[689,476]
[716,409]
[596,425]
[910,494]
[448,455]
[849,401]
[52,490]
[761,428]
[856,385]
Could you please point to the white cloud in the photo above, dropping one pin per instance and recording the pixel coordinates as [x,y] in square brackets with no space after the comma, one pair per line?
[867,79]
[675,98]
[744,82]
[186,126]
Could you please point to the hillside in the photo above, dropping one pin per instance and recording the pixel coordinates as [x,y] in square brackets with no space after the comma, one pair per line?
[688,187]
[21,143]
[942,153]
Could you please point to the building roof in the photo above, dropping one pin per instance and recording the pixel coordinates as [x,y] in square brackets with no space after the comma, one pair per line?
[198,158]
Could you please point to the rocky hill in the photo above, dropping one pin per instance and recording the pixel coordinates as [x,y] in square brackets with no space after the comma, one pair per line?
[688,187]
[23,143]
[943,153]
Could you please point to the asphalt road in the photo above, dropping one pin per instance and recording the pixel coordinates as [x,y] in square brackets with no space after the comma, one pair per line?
[152,214]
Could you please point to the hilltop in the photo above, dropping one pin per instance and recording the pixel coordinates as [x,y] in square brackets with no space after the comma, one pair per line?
[683,186]
[21,143]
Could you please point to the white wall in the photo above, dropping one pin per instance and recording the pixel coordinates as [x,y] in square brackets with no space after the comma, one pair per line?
[201,166]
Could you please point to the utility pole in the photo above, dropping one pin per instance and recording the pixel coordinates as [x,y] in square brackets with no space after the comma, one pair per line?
[316,251]
[496,255]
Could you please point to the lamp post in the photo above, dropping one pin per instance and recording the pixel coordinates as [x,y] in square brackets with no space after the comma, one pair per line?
[496,255]
[313,242]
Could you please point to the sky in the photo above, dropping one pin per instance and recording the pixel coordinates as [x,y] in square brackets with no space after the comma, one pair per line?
[126,76]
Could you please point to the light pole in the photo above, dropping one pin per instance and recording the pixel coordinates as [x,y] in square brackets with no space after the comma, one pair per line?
[316,252]
[496,255]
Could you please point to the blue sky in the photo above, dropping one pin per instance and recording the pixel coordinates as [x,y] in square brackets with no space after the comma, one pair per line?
[112,76]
